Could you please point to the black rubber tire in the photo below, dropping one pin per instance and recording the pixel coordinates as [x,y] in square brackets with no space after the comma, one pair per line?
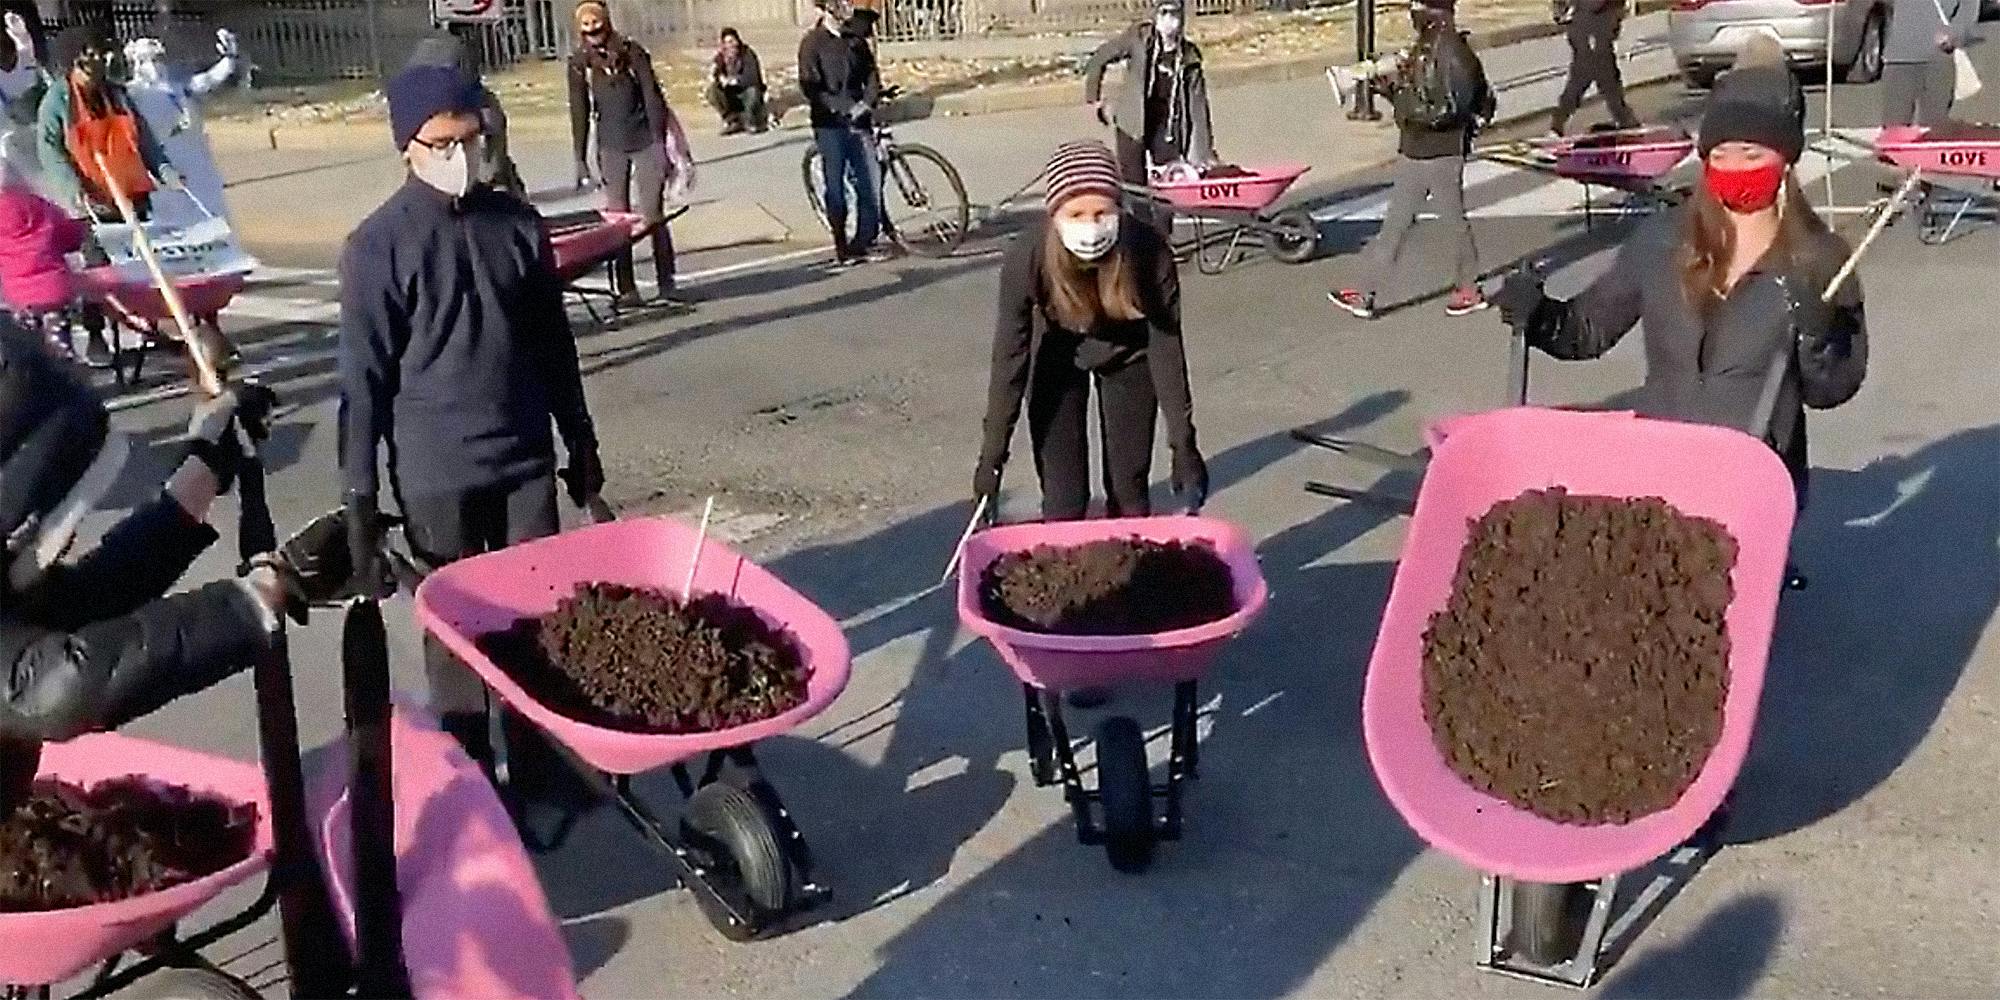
[957,215]
[1298,240]
[1548,920]
[1125,793]
[742,839]
[1866,66]
[190,984]
[810,179]
[1698,77]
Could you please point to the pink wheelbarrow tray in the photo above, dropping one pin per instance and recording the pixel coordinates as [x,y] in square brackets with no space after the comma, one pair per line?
[737,848]
[1047,665]
[1634,161]
[591,240]
[1961,156]
[1235,206]
[1547,887]
[139,307]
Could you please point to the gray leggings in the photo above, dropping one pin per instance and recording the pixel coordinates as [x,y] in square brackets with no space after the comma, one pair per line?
[1917,93]
[1442,181]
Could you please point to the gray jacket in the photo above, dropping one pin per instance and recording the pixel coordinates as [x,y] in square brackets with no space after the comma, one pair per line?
[1914,27]
[1136,47]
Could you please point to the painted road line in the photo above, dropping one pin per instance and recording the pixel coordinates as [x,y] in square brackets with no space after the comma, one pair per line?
[283,309]
[727,270]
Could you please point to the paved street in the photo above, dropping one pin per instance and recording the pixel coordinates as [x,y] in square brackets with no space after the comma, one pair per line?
[835,418]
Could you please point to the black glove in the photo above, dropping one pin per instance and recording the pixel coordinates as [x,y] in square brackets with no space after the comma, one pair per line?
[986,487]
[1190,478]
[857,115]
[212,438]
[365,525]
[585,476]
[318,557]
[1520,295]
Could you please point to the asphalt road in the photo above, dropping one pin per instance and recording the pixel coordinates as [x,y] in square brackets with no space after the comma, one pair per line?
[835,418]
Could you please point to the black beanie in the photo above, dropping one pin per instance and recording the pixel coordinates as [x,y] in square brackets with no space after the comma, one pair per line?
[421,92]
[1735,119]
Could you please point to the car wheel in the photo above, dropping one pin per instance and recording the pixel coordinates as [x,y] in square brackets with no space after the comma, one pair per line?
[1866,66]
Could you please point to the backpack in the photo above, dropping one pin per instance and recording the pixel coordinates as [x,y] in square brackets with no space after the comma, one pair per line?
[1434,97]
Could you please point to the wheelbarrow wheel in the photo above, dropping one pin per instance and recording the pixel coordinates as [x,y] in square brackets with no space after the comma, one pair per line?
[1125,791]
[191,984]
[745,854]
[1295,236]
[1548,920]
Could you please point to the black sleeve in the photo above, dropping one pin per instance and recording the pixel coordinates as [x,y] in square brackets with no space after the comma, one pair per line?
[373,334]
[1587,326]
[821,93]
[579,109]
[64,683]
[649,91]
[1013,348]
[1166,355]
[1833,360]
[136,562]
[564,372]
[871,78]
[753,69]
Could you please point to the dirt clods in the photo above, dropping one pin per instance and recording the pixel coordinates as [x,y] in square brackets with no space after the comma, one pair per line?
[1580,666]
[1123,586]
[69,846]
[642,661]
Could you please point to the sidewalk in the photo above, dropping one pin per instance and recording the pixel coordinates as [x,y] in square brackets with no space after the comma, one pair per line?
[297,204]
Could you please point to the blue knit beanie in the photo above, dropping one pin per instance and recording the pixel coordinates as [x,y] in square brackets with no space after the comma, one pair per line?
[420,92]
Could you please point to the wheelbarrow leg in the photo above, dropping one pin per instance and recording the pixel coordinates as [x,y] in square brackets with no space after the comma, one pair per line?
[1183,756]
[1041,750]
[1088,832]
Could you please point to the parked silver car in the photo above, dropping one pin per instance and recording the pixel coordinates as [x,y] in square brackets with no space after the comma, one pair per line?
[1705,35]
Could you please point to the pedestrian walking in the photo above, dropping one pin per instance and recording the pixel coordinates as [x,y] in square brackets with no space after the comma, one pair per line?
[1441,99]
[736,85]
[455,353]
[92,641]
[1726,286]
[1919,72]
[841,84]
[1593,61]
[1088,300]
[496,165]
[1159,111]
[642,151]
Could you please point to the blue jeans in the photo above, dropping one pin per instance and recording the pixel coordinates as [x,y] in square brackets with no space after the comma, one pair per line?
[845,158]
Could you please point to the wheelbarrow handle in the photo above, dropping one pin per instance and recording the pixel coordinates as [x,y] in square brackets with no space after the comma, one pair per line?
[1517,367]
[599,509]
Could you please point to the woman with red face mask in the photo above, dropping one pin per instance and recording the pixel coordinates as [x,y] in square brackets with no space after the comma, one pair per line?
[1728,285]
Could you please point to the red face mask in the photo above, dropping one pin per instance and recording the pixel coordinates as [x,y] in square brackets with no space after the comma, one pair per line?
[1751,190]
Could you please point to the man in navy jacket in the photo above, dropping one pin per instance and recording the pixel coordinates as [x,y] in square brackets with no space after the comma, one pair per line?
[456,354]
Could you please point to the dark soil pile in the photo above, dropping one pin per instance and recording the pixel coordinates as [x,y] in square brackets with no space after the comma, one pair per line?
[642,661]
[1580,667]
[69,846]
[1123,586]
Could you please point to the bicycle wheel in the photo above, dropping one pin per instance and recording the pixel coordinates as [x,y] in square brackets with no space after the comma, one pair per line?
[813,173]
[924,202]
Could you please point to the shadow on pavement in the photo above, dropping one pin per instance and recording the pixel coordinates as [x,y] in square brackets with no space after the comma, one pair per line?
[1905,578]
[1723,959]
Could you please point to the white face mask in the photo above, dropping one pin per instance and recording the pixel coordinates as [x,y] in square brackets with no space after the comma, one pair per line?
[1088,240]
[450,170]
[144,55]
[1168,26]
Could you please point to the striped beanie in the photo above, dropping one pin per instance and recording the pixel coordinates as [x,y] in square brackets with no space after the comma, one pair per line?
[1081,168]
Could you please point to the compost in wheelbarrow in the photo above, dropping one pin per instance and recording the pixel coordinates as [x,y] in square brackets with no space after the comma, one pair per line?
[1124,819]
[53,946]
[738,849]
[1716,473]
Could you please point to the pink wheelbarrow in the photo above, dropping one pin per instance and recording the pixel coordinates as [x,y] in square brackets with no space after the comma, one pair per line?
[1235,204]
[589,240]
[1963,156]
[1548,888]
[137,306]
[736,848]
[1124,819]
[1633,161]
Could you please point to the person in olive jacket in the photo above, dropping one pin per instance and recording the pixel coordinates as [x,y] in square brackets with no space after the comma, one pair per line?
[1087,300]
[1729,288]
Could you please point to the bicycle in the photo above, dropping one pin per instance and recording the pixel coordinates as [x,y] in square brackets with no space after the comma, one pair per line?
[926,218]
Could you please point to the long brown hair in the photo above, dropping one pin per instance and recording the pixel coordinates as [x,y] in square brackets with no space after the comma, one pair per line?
[1082,294]
[1708,243]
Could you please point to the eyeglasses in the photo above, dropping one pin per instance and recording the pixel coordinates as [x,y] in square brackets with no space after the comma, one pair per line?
[447,148]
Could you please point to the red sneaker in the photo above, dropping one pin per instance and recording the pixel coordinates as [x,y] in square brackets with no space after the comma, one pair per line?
[1465,302]
[1362,306]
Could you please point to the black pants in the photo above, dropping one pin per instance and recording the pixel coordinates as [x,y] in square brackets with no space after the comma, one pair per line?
[1592,60]
[444,528]
[1058,415]
[739,107]
[1131,153]
[639,178]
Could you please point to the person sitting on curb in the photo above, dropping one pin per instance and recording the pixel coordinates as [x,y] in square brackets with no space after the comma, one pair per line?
[736,86]
[1441,100]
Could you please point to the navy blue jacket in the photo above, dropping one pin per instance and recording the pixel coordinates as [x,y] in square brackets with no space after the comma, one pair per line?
[454,347]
